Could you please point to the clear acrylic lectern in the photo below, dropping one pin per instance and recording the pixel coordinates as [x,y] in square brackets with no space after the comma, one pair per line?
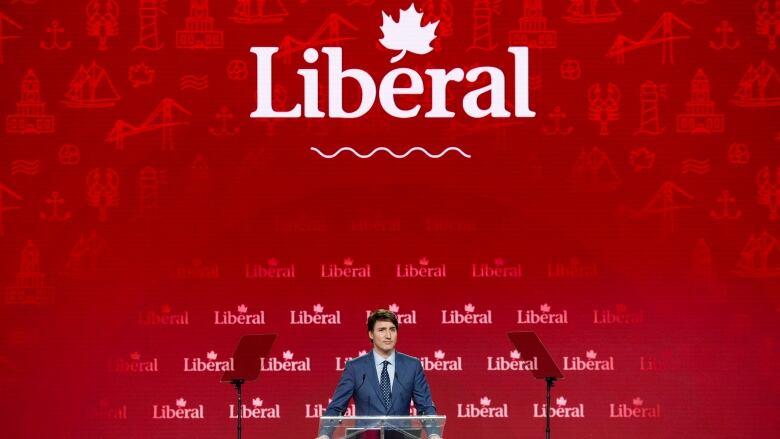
[381,427]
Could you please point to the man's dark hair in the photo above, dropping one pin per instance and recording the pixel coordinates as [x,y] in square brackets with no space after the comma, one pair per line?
[384,315]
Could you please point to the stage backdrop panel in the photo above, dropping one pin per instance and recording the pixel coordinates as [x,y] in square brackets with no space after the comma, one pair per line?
[614,187]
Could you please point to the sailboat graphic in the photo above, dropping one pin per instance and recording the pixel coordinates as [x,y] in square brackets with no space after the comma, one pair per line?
[592,11]
[759,87]
[91,88]
[259,11]
[760,257]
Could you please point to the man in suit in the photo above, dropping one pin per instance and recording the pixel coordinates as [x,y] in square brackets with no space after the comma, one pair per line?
[383,382]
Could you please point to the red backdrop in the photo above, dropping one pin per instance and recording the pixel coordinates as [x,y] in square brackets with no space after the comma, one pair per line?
[632,224]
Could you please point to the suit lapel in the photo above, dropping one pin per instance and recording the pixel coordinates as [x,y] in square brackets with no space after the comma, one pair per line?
[397,386]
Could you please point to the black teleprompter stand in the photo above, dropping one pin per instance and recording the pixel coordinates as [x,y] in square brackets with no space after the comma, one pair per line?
[237,384]
[529,346]
[550,384]
[247,360]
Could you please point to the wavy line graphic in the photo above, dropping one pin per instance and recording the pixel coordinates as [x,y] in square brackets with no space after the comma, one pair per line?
[194,82]
[696,166]
[27,167]
[390,152]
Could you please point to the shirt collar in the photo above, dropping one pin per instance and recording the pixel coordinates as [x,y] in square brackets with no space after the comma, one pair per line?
[378,359]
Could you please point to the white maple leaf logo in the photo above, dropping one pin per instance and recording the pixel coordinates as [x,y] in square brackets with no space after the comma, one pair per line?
[407,34]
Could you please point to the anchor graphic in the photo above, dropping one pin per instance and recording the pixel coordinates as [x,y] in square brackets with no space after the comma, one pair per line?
[55,201]
[726,200]
[55,29]
[557,115]
[724,29]
[224,115]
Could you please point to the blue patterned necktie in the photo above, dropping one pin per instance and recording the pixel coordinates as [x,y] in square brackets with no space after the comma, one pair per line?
[384,385]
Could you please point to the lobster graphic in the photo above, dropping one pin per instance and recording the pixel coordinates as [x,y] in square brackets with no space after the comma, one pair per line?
[102,20]
[769,192]
[103,190]
[604,108]
[768,21]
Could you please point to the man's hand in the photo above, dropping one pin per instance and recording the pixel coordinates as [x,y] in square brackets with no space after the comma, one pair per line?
[433,436]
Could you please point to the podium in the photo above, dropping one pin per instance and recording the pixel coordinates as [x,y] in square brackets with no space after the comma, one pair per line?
[381,427]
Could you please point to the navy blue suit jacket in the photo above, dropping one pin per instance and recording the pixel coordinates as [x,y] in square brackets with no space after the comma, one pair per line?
[361,383]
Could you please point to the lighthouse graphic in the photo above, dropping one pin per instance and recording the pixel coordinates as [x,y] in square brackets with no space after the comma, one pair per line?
[30,117]
[700,117]
[532,28]
[31,287]
[199,32]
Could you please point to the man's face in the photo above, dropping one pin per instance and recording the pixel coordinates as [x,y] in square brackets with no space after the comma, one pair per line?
[384,336]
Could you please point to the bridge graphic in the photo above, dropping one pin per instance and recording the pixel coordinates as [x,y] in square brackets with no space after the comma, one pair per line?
[329,33]
[6,19]
[662,32]
[167,115]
